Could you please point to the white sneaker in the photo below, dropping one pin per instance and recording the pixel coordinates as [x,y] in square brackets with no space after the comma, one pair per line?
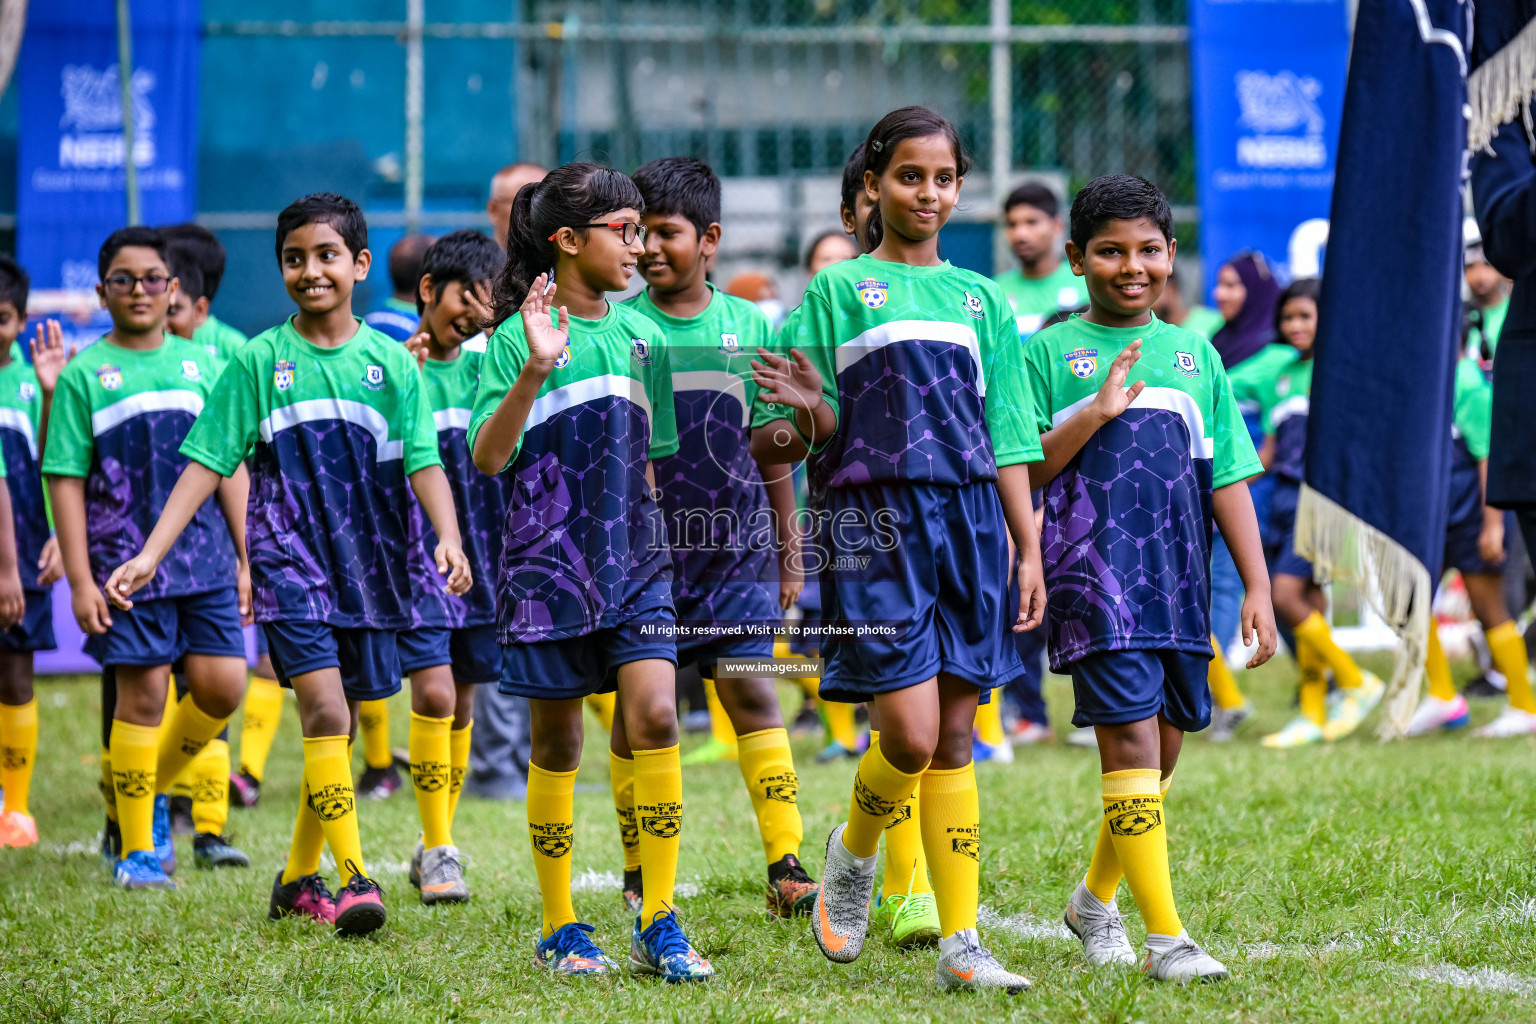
[1082,738]
[1099,927]
[1224,722]
[964,963]
[1435,714]
[1511,722]
[1298,732]
[840,919]
[1350,707]
[1176,958]
[1029,733]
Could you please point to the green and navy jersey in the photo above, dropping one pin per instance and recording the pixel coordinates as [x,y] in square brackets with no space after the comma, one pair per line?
[711,492]
[1036,300]
[479,500]
[119,418]
[1285,419]
[396,319]
[221,340]
[923,368]
[1253,382]
[1127,536]
[332,436]
[21,406]
[584,546]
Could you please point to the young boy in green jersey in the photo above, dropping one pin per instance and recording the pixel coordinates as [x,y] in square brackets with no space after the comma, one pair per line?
[338,428]
[202,248]
[119,414]
[1135,477]
[729,588]
[1043,284]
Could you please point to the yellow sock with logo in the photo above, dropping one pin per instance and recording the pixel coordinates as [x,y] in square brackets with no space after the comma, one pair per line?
[989,722]
[181,737]
[1313,694]
[1507,648]
[1223,685]
[430,774]
[951,828]
[18,752]
[135,749]
[258,728]
[551,827]
[602,705]
[1316,632]
[879,790]
[209,777]
[1133,809]
[840,723]
[720,728]
[768,768]
[330,793]
[373,723]
[1437,668]
[1104,872]
[659,813]
[108,791]
[308,838]
[458,766]
[906,865]
[621,776]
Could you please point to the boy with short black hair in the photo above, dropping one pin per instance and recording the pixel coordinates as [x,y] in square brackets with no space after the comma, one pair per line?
[1134,478]
[1044,283]
[729,589]
[118,416]
[202,248]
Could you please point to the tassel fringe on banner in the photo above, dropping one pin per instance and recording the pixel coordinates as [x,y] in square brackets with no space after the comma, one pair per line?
[1501,89]
[1394,583]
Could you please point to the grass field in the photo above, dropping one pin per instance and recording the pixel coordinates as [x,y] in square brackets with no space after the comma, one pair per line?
[1353,882]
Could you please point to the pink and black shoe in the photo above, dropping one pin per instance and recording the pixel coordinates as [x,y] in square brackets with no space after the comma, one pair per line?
[360,907]
[305,896]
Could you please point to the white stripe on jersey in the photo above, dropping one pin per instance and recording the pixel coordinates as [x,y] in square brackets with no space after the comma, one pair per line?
[1180,403]
[943,331]
[1296,405]
[315,410]
[611,385]
[451,419]
[19,421]
[716,380]
[104,419]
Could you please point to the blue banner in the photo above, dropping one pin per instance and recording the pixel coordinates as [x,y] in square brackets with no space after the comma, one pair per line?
[70,187]
[1268,84]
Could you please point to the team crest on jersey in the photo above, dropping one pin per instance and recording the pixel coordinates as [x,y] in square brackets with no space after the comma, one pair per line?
[563,359]
[973,306]
[189,369]
[642,351]
[282,374]
[1084,362]
[373,376]
[111,377]
[27,391]
[730,344]
[871,292]
[1186,363]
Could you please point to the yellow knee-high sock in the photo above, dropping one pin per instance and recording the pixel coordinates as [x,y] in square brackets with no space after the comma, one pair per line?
[331,795]
[1316,632]
[840,723]
[134,752]
[108,791]
[181,737]
[659,813]
[951,827]
[373,723]
[768,768]
[906,865]
[308,838]
[263,713]
[879,789]
[1224,689]
[1104,872]
[458,766]
[602,705]
[809,685]
[1313,695]
[430,773]
[18,752]
[209,775]
[551,827]
[1437,668]
[1133,807]
[989,722]
[621,776]
[720,728]
[1507,647]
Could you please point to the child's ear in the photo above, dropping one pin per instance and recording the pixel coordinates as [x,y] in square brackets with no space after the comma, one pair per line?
[424,293]
[709,242]
[850,223]
[1075,258]
[201,305]
[871,186]
[101,293]
[361,263]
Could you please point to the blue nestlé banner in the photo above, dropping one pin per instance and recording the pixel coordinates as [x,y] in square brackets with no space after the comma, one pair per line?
[1268,84]
[70,188]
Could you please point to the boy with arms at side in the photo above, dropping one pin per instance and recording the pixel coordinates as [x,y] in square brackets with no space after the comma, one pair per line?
[1129,584]
[118,417]
[728,592]
[338,426]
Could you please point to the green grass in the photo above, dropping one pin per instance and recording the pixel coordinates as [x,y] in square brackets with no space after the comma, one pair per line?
[1338,883]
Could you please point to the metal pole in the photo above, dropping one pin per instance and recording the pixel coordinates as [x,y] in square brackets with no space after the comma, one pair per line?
[415,112]
[1002,120]
[125,91]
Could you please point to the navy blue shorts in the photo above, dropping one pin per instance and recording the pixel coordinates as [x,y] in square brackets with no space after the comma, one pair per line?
[160,631]
[1280,536]
[579,666]
[471,652]
[367,658]
[1464,524]
[707,653]
[35,630]
[930,561]
[1115,687]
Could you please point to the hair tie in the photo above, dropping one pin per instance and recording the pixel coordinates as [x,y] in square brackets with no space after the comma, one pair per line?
[877,145]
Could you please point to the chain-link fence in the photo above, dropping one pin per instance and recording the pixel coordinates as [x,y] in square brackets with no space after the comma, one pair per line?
[411,106]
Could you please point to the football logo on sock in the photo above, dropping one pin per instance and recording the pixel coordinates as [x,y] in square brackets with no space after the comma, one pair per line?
[429,776]
[901,814]
[966,847]
[133,783]
[210,791]
[629,832]
[14,758]
[1136,823]
[190,747]
[331,803]
[455,779]
[662,826]
[552,846]
[784,787]
[870,802]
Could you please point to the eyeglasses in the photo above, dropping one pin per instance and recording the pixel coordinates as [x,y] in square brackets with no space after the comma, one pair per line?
[629,231]
[123,284]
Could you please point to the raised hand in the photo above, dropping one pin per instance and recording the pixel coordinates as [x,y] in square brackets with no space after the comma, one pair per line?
[546,337]
[791,381]
[1114,397]
[48,355]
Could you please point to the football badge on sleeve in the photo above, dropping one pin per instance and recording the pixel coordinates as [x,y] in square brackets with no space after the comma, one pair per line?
[563,359]
[282,374]
[973,306]
[1083,362]
[872,293]
[1186,363]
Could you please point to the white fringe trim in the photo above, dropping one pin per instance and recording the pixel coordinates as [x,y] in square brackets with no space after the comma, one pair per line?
[1501,89]
[1393,582]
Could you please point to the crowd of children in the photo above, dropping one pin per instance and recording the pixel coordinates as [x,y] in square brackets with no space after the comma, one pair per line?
[1058,461]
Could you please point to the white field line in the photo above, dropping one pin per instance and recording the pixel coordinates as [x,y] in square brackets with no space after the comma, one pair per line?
[607,881]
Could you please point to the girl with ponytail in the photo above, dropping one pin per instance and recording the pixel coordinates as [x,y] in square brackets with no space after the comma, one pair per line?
[573,403]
